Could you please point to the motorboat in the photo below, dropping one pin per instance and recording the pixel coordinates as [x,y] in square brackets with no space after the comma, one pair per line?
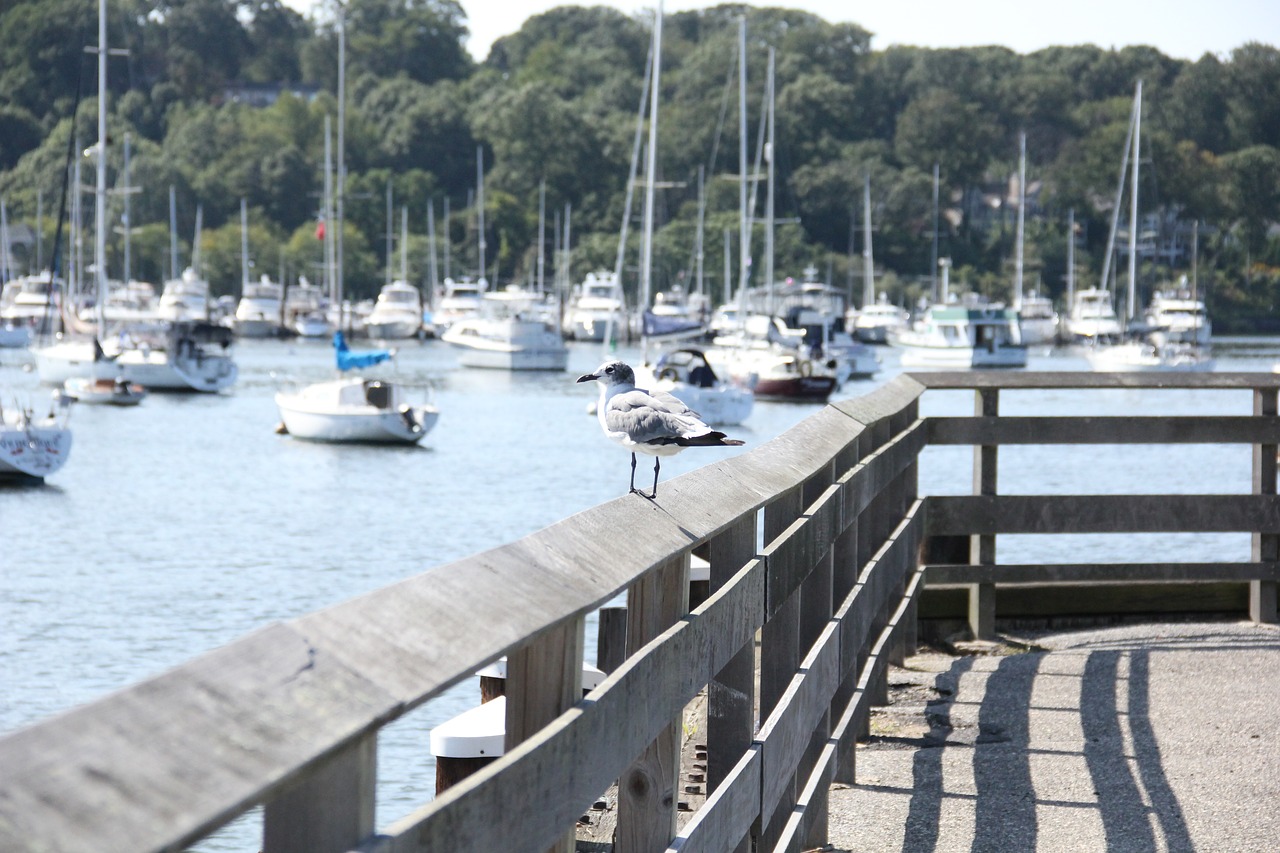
[1038,320]
[874,323]
[686,374]
[304,311]
[34,446]
[106,392]
[599,305]
[1178,316]
[260,311]
[776,373]
[1143,355]
[460,300]
[185,298]
[509,334]
[186,356]
[397,313]
[1092,316]
[30,302]
[356,409]
[959,336]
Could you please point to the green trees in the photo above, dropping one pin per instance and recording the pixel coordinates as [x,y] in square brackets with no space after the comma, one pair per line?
[555,103]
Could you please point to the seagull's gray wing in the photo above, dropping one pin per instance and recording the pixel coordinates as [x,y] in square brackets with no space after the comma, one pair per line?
[645,418]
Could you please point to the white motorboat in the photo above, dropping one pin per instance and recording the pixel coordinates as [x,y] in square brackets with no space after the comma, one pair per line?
[460,300]
[510,334]
[184,298]
[182,357]
[356,409]
[260,311]
[33,446]
[598,306]
[397,314]
[30,302]
[1092,316]
[104,392]
[958,337]
[874,323]
[1038,320]
[1144,355]
[304,311]
[686,374]
[1178,316]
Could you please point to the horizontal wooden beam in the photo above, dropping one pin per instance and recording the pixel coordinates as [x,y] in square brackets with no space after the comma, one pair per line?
[1099,430]
[967,515]
[1100,573]
[1022,380]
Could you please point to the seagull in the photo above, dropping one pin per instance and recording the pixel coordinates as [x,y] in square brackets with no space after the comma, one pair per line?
[655,423]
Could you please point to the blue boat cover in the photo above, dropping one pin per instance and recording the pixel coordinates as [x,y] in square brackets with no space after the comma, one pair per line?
[348,360]
[657,326]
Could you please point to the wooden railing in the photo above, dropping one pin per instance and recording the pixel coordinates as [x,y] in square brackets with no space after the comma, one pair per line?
[791,646]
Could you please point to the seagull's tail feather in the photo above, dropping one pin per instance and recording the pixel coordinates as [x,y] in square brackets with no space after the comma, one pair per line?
[709,439]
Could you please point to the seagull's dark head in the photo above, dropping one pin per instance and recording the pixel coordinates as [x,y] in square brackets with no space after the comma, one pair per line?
[611,373]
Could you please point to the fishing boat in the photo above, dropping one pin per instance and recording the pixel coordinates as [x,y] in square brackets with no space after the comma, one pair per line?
[33,446]
[354,408]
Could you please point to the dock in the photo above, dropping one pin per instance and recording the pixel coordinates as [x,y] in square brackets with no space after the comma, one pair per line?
[824,577]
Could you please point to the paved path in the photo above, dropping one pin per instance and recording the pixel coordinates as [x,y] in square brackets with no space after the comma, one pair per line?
[1130,740]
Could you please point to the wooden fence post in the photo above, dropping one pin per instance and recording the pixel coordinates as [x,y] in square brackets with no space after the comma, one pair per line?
[647,790]
[544,679]
[982,549]
[1266,546]
[331,809]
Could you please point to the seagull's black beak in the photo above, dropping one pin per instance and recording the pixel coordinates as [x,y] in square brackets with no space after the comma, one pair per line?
[588,377]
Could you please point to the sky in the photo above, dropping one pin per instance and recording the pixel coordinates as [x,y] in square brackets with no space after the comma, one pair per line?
[1183,29]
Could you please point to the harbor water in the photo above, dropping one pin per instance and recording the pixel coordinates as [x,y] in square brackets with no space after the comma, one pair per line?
[187,522]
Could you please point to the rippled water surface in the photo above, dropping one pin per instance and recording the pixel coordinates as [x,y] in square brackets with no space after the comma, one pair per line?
[185,523]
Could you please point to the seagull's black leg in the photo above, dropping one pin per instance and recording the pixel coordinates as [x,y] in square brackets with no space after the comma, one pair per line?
[657,463]
[633,472]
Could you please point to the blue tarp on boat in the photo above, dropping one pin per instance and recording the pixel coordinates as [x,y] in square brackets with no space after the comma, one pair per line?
[347,360]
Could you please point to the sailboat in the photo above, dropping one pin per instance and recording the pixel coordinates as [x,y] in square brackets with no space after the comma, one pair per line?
[764,353]
[189,355]
[878,317]
[354,408]
[397,313]
[685,372]
[1140,353]
[33,446]
[509,332]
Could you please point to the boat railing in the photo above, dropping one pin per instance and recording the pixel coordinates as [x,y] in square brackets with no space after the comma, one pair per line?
[820,550]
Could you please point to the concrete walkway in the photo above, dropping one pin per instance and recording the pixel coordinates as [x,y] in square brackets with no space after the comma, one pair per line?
[1131,740]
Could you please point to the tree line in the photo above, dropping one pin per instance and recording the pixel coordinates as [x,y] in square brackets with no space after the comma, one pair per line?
[553,109]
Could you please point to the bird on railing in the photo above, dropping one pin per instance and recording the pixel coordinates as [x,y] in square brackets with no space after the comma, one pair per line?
[655,423]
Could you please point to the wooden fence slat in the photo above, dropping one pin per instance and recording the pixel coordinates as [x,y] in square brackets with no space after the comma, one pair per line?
[991,514]
[720,824]
[1086,430]
[1011,574]
[329,811]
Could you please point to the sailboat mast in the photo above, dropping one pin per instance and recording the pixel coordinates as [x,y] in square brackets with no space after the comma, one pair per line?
[868,264]
[1115,209]
[542,236]
[404,243]
[698,240]
[1071,256]
[330,280]
[390,239]
[1022,203]
[340,191]
[933,268]
[480,206]
[1130,308]
[768,199]
[744,224]
[650,169]
[173,234]
[244,245]
[100,189]
[127,274]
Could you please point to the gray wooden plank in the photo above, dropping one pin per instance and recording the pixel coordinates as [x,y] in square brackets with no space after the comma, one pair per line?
[727,815]
[549,792]
[1088,430]
[1010,574]
[1087,379]
[218,732]
[991,514]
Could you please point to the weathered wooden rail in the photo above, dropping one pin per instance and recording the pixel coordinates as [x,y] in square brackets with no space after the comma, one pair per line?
[791,645]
